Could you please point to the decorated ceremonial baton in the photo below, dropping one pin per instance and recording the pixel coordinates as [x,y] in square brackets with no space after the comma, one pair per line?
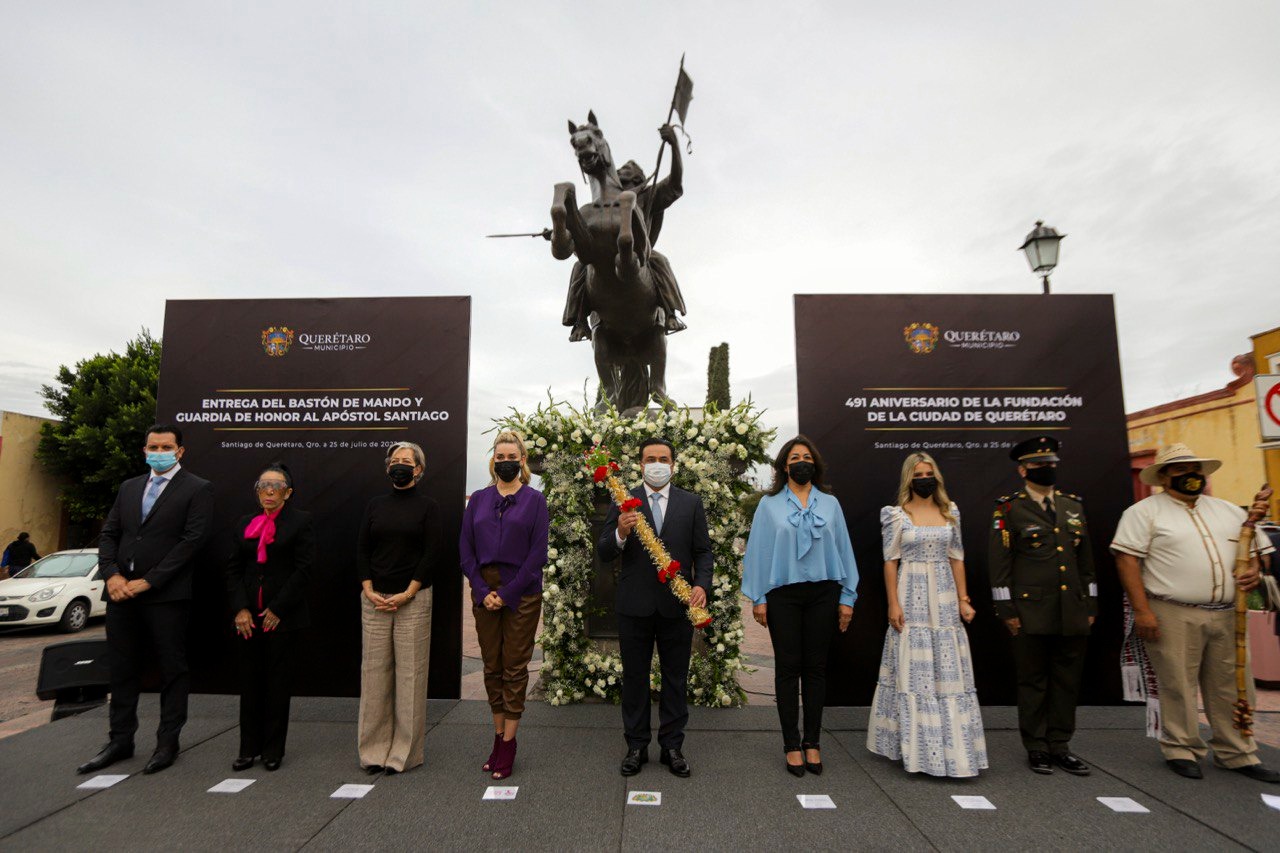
[604,471]
[1242,717]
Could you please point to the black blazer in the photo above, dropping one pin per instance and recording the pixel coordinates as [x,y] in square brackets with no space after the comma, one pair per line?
[161,547]
[684,532]
[283,578]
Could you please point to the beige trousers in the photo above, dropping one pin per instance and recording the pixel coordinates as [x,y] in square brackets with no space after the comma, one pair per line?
[393,683]
[1197,649]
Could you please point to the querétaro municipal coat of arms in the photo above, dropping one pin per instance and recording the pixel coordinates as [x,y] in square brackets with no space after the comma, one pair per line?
[276,340]
[921,337]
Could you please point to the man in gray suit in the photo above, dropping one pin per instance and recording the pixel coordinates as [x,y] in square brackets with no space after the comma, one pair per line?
[647,611]
[147,554]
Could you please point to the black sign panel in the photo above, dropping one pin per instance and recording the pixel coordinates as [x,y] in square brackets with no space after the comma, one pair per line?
[324,385]
[963,378]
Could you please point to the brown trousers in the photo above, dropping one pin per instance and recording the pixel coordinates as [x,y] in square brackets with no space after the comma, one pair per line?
[393,683]
[506,647]
[1197,649]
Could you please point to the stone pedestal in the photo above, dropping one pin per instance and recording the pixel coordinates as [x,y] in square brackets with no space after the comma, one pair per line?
[602,618]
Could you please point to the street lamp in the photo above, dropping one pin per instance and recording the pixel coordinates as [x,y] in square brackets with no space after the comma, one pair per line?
[1041,247]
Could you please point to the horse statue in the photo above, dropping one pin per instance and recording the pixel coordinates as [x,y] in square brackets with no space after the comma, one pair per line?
[610,239]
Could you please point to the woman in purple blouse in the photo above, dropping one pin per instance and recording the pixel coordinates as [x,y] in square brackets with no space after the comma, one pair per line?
[503,547]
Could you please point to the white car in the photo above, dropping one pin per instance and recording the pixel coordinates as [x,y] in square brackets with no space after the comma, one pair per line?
[63,588]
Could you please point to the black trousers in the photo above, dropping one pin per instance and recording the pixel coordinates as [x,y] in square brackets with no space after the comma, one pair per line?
[266,670]
[802,618]
[637,636]
[140,634]
[1049,668]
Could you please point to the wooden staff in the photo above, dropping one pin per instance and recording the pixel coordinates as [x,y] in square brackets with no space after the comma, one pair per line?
[1242,717]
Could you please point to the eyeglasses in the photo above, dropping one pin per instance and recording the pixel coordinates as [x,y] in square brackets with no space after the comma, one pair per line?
[271,486]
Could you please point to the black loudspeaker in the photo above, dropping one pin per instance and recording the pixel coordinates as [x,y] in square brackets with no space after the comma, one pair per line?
[75,674]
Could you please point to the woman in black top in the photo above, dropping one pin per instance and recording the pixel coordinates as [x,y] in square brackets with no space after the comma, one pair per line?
[267,578]
[395,557]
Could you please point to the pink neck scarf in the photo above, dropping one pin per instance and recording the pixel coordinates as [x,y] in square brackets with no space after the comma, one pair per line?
[264,527]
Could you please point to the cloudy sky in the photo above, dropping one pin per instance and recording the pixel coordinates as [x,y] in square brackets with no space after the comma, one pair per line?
[176,150]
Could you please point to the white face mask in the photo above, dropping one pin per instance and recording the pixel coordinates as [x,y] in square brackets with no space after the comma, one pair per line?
[657,474]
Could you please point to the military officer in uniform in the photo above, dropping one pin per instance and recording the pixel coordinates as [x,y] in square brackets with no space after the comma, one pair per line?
[1045,590]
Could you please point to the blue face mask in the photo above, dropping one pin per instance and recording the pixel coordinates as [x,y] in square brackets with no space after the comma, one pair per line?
[161,462]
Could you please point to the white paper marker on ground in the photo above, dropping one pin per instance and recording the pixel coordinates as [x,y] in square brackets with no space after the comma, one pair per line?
[350,792]
[644,798]
[105,780]
[972,802]
[1123,804]
[1271,800]
[231,786]
[816,801]
[493,792]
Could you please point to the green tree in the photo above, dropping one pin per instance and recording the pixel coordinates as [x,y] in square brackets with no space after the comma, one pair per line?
[104,407]
[718,378]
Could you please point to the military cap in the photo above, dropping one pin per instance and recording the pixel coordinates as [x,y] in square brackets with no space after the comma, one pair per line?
[1041,448]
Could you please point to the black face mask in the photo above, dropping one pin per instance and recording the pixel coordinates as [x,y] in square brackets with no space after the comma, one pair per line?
[801,472]
[1191,483]
[401,474]
[507,470]
[1046,476]
[924,486]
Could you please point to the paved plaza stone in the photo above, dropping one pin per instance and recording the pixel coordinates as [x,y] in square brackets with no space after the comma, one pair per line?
[571,797]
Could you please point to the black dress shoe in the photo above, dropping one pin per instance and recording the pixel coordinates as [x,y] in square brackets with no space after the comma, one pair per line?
[675,762]
[160,759]
[1071,764]
[633,760]
[1185,767]
[108,755]
[242,763]
[373,769]
[272,764]
[389,771]
[814,767]
[1258,773]
[1040,762]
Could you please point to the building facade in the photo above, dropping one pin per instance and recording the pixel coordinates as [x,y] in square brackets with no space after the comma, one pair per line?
[28,493]
[1221,424]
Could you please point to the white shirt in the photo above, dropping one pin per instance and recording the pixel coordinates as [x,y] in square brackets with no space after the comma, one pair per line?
[1188,550]
[165,478]
[665,491]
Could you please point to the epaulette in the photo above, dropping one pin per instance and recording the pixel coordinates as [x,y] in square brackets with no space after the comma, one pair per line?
[1022,493]
[1076,498]
[1003,499]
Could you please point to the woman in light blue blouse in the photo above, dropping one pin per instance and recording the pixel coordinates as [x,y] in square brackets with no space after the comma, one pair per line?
[800,574]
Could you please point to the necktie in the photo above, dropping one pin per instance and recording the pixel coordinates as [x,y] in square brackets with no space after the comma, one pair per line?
[1048,506]
[657,513]
[149,499]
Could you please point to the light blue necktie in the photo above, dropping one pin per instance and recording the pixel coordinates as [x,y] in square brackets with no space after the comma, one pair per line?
[657,513]
[149,499]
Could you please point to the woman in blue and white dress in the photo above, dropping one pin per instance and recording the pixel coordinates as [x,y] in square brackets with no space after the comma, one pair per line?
[925,712]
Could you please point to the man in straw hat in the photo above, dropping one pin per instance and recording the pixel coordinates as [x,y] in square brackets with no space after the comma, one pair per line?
[1040,562]
[1175,552]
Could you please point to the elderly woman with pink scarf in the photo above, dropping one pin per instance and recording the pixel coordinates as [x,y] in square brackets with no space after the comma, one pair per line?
[267,576]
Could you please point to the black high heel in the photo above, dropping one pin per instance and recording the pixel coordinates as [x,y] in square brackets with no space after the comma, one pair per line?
[814,767]
[796,770]
[244,762]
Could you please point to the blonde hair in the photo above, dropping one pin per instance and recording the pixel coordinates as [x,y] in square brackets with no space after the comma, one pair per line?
[940,497]
[510,437]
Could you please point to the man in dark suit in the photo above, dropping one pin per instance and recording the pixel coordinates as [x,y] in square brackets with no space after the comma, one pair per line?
[1045,589]
[647,611]
[147,555]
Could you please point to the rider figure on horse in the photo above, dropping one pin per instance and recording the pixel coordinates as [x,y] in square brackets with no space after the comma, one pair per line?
[652,201]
